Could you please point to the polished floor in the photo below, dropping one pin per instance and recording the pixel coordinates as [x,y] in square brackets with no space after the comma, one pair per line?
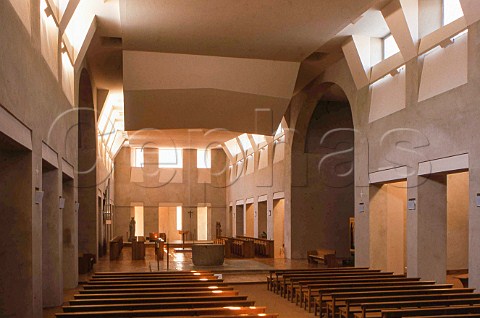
[183,261]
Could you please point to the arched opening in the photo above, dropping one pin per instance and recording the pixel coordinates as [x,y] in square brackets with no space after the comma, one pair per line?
[322,201]
[88,234]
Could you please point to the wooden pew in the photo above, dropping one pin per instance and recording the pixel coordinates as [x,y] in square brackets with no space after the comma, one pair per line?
[377,309]
[172,288]
[197,283]
[158,300]
[287,288]
[126,280]
[263,247]
[301,288]
[214,311]
[394,313]
[181,303]
[176,294]
[228,291]
[297,291]
[322,256]
[348,306]
[277,281]
[319,290]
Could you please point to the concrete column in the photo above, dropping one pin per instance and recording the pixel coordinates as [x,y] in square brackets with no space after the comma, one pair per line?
[150,219]
[474,225]
[427,228]
[52,247]
[19,295]
[70,236]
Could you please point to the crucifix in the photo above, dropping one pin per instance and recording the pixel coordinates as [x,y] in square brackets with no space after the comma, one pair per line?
[190,216]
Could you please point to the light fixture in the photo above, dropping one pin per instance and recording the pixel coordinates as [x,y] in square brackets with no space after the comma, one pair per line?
[61,203]
[361,207]
[412,204]
[77,206]
[38,196]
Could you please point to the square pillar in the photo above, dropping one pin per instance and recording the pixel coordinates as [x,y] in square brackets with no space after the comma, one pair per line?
[427,228]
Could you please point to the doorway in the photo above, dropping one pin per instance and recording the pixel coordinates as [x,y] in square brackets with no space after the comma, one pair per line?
[239,229]
[262,219]
[202,223]
[250,220]
[388,213]
[279,228]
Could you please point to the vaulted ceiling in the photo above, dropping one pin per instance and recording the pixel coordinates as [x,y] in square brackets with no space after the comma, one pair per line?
[234,65]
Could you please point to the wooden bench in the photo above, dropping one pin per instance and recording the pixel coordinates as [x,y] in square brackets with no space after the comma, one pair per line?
[394,313]
[301,287]
[348,307]
[314,290]
[272,282]
[183,294]
[291,284]
[323,256]
[225,291]
[325,294]
[116,246]
[166,312]
[262,247]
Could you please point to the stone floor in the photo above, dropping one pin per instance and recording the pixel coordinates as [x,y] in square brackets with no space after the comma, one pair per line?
[183,261]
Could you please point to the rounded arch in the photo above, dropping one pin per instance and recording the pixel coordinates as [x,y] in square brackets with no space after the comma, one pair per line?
[322,192]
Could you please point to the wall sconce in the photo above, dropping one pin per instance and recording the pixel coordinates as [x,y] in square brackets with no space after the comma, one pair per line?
[255,213]
[269,212]
[411,204]
[61,203]
[361,207]
[77,206]
[38,196]
[478,200]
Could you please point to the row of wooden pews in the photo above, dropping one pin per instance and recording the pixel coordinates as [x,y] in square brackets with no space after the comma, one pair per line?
[160,294]
[366,293]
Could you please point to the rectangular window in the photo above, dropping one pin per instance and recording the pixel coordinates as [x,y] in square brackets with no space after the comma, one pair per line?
[452,10]
[245,141]
[137,159]
[390,47]
[170,158]
[179,218]
[139,223]
[204,159]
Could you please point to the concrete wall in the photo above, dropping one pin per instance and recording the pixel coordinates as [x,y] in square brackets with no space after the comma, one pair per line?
[457,221]
[387,226]
[153,193]
[31,93]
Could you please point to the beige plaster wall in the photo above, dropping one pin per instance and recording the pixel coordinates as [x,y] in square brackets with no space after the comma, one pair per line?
[153,193]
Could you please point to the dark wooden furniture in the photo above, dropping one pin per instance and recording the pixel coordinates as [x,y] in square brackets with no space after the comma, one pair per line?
[138,248]
[116,246]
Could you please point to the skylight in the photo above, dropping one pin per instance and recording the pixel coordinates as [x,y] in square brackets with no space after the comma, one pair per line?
[245,142]
[452,10]
[390,47]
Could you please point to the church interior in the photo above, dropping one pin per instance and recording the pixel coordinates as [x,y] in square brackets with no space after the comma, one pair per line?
[249,158]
